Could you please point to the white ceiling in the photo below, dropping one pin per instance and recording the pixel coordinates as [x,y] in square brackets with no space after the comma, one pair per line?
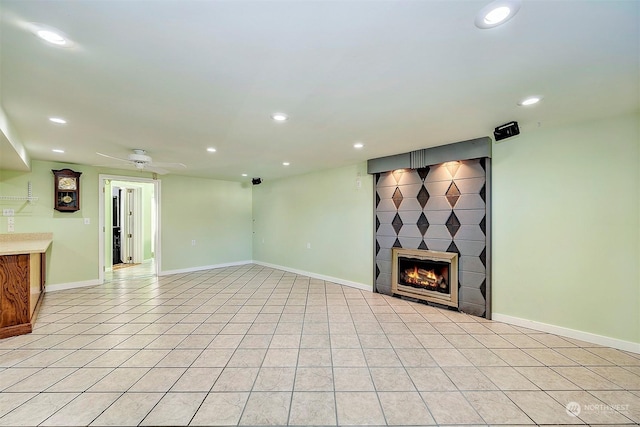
[176,77]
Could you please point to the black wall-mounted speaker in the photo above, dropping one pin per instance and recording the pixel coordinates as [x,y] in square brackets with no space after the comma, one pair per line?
[507,130]
[256,181]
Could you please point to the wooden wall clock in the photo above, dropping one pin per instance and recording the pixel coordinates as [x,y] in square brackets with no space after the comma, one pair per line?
[66,190]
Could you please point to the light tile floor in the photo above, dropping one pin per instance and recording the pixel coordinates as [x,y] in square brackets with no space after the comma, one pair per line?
[251,345]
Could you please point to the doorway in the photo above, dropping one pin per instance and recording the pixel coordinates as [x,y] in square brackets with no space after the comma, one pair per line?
[129,221]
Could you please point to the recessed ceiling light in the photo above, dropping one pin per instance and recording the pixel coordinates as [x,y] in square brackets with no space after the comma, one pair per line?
[279,117]
[211,150]
[285,163]
[497,13]
[530,101]
[52,37]
[58,120]
[244,174]
[358,145]
[57,150]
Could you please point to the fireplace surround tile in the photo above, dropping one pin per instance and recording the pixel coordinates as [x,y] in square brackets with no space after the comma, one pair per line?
[437,217]
[386,205]
[470,247]
[409,216]
[470,169]
[410,191]
[409,177]
[470,201]
[438,173]
[471,279]
[469,232]
[471,263]
[470,216]
[470,185]
[409,205]
[471,295]
[387,230]
[452,218]
[438,203]
[409,242]
[386,180]
[438,188]
[437,231]
[438,244]
[411,230]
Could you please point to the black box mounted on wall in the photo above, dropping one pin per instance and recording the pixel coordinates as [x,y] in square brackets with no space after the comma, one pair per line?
[507,130]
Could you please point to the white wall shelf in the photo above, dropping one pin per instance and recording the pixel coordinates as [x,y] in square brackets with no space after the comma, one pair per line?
[29,197]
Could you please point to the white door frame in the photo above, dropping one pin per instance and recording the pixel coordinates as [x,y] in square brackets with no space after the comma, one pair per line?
[102,226]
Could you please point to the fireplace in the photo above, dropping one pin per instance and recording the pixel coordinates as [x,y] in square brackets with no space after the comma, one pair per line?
[426,275]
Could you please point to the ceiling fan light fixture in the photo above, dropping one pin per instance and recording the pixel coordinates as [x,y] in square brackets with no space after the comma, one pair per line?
[497,13]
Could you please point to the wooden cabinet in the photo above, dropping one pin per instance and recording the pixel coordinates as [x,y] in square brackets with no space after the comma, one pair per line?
[22,262]
[20,290]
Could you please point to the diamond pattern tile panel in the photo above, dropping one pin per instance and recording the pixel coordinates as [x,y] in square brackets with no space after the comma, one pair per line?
[442,207]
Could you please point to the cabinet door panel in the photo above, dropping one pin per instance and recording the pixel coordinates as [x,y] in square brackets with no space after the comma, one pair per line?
[14,295]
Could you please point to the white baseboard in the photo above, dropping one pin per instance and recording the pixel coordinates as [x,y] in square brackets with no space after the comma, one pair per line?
[349,283]
[203,267]
[72,285]
[570,333]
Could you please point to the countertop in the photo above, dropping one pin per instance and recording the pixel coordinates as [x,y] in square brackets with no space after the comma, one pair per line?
[24,243]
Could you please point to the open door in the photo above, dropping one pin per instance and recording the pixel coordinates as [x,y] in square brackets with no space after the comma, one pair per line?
[129,221]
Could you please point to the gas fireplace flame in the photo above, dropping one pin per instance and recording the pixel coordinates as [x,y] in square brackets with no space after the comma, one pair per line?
[423,277]
[430,275]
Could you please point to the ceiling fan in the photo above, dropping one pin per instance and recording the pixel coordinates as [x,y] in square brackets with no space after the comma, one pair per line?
[140,160]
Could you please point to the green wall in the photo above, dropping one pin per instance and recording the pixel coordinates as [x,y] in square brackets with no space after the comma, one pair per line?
[325,209]
[566,221]
[216,214]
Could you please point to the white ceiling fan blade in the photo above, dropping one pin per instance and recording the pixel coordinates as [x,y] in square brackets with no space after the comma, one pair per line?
[113,165]
[152,168]
[111,157]
[169,165]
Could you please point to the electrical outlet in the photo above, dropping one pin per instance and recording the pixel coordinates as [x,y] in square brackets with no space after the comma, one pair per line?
[308,245]
[11,228]
[193,242]
[87,221]
[11,220]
